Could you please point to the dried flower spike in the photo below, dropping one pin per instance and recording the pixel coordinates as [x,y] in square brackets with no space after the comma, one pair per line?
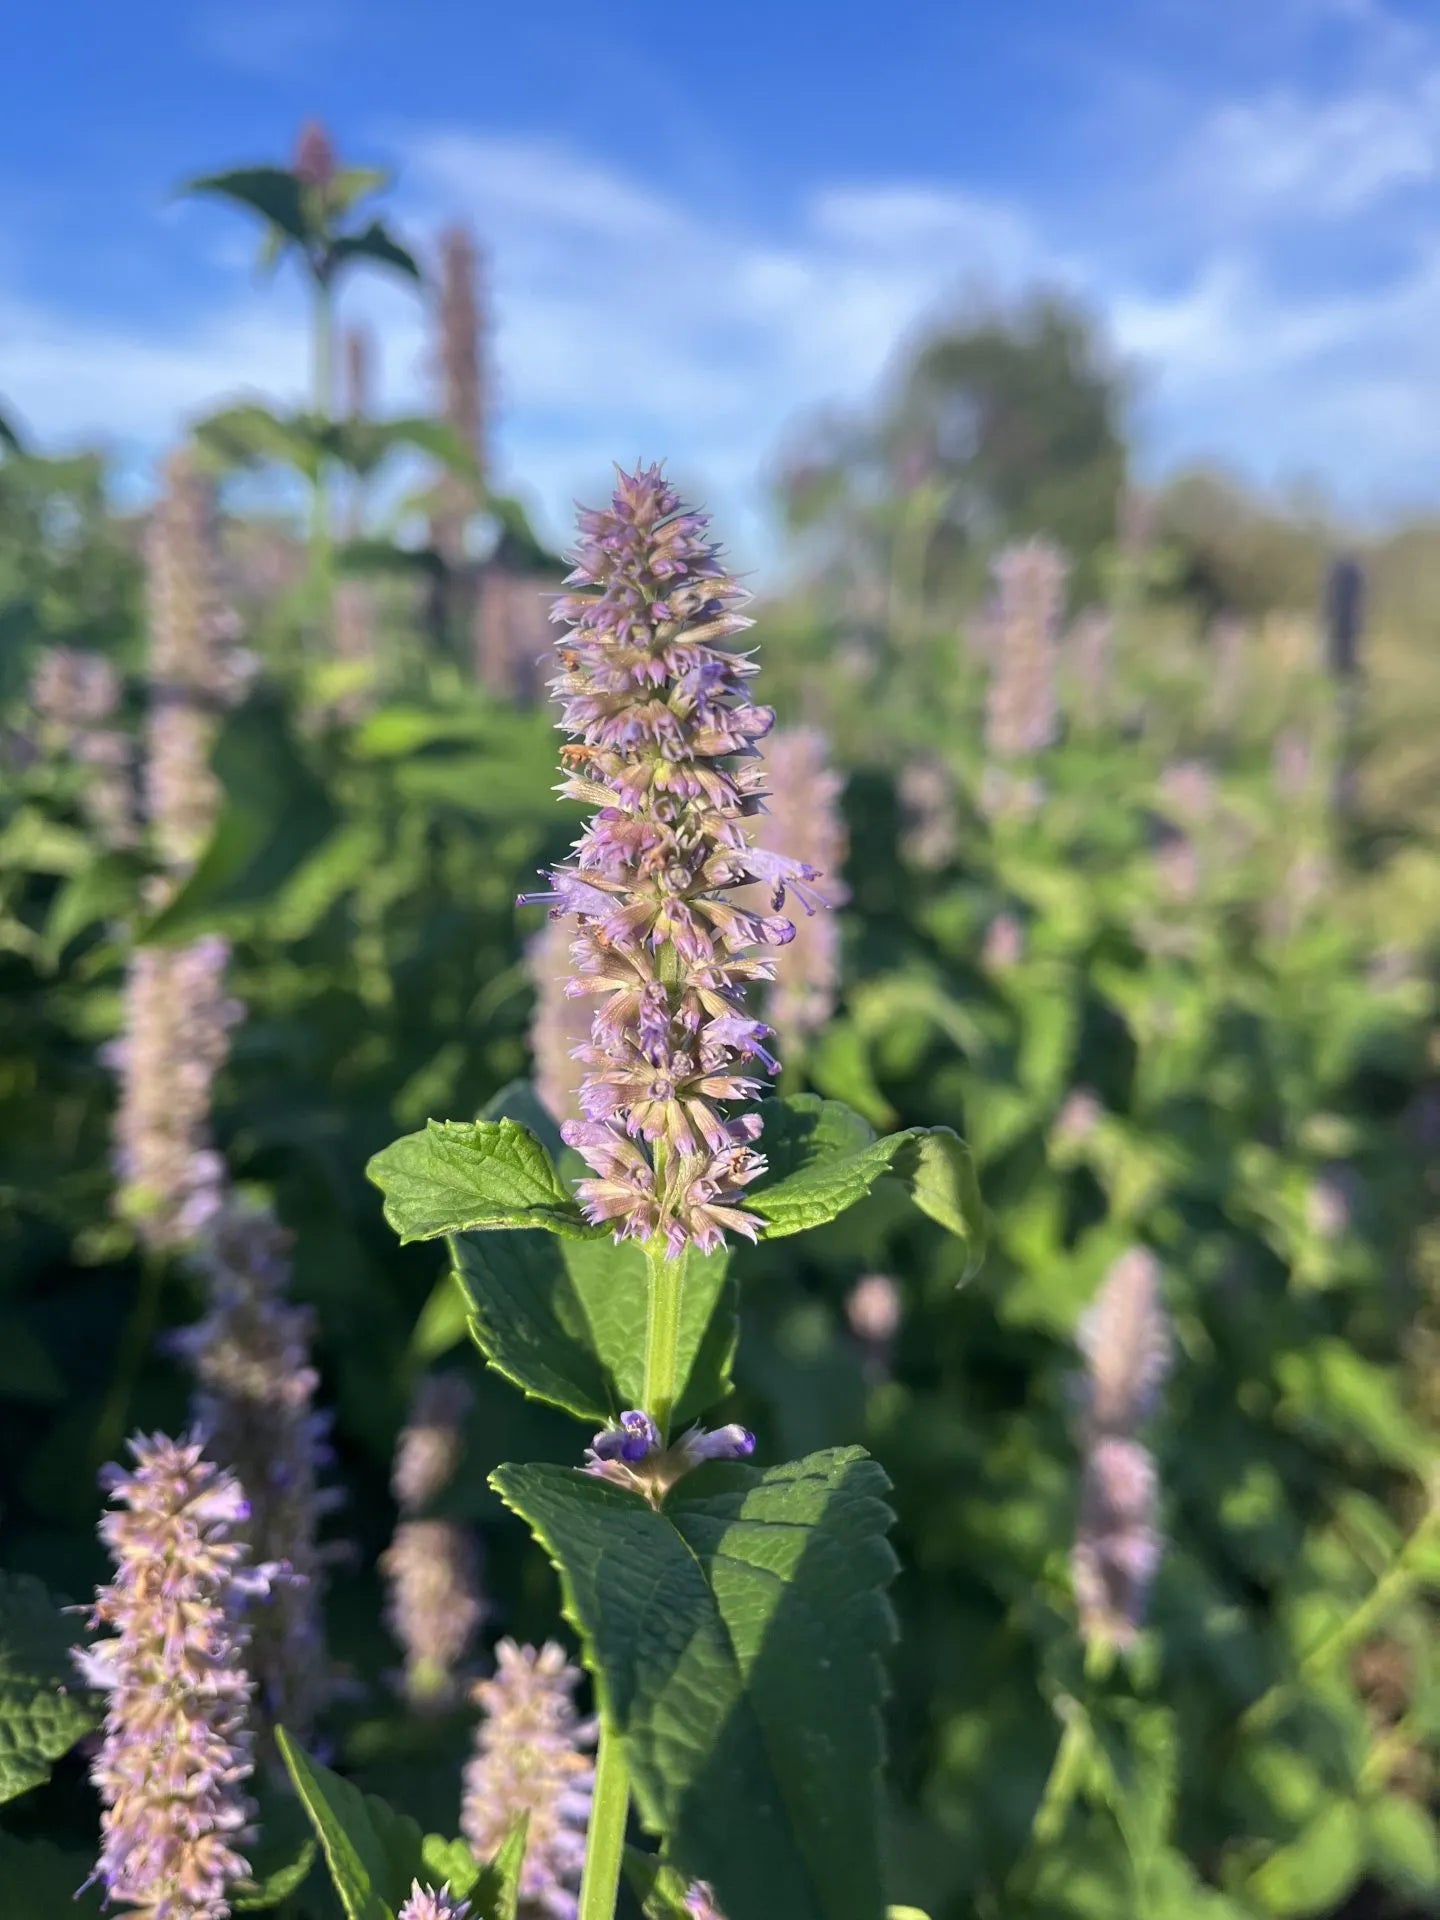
[531,1757]
[176,1753]
[663,729]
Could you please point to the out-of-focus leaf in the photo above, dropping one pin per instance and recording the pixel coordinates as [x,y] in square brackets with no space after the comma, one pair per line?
[272,192]
[274,816]
[376,242]
[44,1705]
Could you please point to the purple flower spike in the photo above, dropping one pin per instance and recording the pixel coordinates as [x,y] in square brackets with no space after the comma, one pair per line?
[172,1769]
[664,747]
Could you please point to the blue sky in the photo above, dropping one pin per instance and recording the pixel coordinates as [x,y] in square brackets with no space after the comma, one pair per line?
[702,223]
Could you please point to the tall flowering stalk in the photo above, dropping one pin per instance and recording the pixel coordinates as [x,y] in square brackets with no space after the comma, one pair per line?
[663,745]
[531,1757]
[354,635]
[255,1404]
[1020,712]
[432,1566]
[178,1018]
[461,392]
[425,1903]
[662,728]
[1125,1341]
[804,800]
[176,1754]
[178,1015]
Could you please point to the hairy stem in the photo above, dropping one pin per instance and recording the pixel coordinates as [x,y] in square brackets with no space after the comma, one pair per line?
[135,1344]
[662,1335]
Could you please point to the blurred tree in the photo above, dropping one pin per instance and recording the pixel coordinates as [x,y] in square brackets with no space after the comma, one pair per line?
[998,427]
[1231,553]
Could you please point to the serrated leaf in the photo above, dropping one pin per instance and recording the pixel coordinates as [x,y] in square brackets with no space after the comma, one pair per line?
[44,1707]
[43,1882]
[564,1320]
[823,1158]
[274,816]
[471,1176]
[738,1639]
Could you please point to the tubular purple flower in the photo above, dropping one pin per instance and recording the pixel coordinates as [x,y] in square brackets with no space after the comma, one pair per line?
[531,1756]
[424,1903]
[1125,1341]
[632,1453]
[804,801]
[700,1902]
[255,1404]
[176,1753]
[663,734]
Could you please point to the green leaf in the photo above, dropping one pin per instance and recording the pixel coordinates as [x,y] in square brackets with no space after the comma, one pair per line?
[1316,1870]
[372,1852]
[738,1639]
[823,1158]
[363,444]
[104,890]
[272,192]
[495,1894]
[349,184]
[42,1882]
[465,1176]
[376,242]
[1403,1846]
[251,436]
[44,1706]
[274,816]
[564,1320]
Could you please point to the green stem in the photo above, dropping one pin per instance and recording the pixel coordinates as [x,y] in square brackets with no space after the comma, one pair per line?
[662,1335]
[321,556]
[1064,1781]
[605,1848]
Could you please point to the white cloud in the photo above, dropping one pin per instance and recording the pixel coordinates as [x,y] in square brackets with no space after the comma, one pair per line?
[1284,156]
[628,321]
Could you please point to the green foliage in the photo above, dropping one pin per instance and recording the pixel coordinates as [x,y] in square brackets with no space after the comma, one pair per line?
[564,1320]
[823,1158]
[737,1714]
[374,1854]
[467,1176]
[44,1708]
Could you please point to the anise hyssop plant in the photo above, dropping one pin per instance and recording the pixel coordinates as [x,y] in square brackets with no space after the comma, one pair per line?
[730,1609]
